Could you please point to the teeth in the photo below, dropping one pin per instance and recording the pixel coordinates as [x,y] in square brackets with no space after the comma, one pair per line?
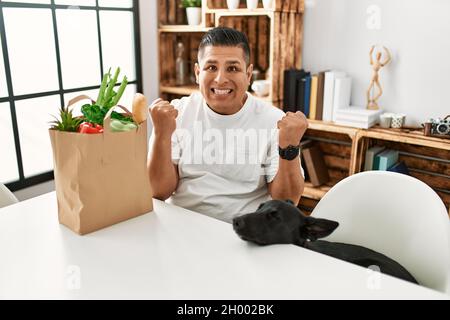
[222,92]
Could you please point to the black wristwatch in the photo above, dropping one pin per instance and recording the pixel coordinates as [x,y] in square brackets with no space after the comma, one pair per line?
[289,153]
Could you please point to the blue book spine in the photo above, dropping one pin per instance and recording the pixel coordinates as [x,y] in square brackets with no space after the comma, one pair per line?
[307,95]
[386,159]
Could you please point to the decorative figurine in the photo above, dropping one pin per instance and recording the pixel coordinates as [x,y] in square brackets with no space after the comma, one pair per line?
[376,66]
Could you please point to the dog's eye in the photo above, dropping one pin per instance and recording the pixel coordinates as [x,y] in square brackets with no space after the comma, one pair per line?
[273,215]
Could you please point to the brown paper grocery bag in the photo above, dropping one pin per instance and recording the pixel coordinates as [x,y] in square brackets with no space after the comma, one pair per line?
[101,179]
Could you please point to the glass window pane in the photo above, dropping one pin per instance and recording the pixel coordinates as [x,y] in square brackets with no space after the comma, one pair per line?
[9,171]
[3,86]
[29,1]
[115,3]
[78,43]
[33,117]
[31,49]
[117,29]
[76,2]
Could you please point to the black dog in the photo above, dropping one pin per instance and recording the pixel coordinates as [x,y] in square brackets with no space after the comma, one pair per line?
[280,222]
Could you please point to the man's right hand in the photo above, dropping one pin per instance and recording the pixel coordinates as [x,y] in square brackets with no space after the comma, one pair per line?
[164,117]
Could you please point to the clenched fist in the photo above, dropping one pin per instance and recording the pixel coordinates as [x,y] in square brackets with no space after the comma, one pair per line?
[292,128]
[164,117]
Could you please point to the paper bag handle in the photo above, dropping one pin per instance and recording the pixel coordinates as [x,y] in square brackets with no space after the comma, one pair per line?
[107,119]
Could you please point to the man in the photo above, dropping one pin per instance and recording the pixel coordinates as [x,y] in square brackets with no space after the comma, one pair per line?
[218,152]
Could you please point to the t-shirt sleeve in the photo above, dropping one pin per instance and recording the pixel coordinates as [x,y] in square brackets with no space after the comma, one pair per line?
[176,150]
[272,161]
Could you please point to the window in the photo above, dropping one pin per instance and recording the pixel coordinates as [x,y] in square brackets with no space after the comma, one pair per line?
[52,51]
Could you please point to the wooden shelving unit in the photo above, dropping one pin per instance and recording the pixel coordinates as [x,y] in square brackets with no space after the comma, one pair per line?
[275,37]
[428,158]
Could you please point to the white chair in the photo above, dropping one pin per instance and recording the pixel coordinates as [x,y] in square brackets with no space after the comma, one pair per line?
[6,197]
[396,215]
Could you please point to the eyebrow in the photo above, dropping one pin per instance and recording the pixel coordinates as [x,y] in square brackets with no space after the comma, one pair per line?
[230,62]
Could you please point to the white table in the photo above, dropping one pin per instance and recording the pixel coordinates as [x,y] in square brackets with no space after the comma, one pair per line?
[171,253]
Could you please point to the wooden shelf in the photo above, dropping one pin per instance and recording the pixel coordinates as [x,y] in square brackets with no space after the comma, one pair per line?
[315,193]
[426,157]
[332,127]
[275,39]
[410,136]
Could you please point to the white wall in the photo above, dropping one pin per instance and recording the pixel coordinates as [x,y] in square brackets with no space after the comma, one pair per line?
[417,82]
[149,47]
[149,50]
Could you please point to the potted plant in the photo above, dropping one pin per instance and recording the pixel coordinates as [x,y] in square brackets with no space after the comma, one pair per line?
[193,11]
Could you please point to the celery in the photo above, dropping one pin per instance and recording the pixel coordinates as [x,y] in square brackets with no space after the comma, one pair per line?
[103,87]
[120,92]
[110,91]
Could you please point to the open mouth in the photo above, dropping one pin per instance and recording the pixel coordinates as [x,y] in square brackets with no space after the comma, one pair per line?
[221,92]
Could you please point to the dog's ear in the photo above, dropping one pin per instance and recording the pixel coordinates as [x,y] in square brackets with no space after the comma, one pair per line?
[318,228]
[261,205]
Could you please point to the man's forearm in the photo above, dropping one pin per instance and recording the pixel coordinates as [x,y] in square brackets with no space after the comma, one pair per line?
[162,173]
[289,182]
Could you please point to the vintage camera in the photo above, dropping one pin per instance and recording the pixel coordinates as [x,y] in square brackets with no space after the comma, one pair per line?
[438,126]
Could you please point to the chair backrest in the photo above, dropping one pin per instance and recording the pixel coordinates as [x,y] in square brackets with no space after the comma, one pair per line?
[396,215]
[6,197]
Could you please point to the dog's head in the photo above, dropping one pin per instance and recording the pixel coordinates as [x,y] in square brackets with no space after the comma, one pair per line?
[281,222]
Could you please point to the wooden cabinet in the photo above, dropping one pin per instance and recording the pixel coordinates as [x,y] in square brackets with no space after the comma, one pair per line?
[344,148]
[275,38]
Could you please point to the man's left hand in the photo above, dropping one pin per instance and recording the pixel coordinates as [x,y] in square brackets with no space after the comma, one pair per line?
[292,128]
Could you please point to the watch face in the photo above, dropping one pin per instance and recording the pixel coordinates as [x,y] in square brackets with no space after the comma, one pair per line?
[290,153]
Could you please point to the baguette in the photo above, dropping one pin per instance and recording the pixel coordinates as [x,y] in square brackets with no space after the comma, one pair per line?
[140,106]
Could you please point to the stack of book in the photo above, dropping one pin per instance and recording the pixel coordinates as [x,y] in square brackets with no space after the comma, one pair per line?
[379,158]
[319,96]
[358,117]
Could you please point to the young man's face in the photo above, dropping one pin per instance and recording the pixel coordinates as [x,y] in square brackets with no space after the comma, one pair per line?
[223,77]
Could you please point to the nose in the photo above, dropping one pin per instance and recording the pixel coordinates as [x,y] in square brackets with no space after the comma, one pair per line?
[238,223]
[220,78]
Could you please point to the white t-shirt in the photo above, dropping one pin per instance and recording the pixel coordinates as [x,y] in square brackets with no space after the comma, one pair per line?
[224,161]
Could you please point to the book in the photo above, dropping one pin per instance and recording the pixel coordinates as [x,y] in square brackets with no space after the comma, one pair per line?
[320,91]
[290,89]
[354,113]
[307,95]
[303,145]
[330,78]
[399,167]
[301,87]
[357,124]
[342,94]
[370,155]
[315,164]
[385,160]
[313,102]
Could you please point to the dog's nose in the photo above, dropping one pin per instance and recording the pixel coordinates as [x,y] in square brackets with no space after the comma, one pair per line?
[238,223]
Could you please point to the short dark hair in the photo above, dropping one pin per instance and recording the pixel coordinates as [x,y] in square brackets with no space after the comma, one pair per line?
[226,37]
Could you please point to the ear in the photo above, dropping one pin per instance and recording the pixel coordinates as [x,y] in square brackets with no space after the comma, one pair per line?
[250,73]
[197,72]
[318,228]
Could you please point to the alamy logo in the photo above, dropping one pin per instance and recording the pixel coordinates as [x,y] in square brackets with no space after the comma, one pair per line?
[231,146]
[73,278]
[374,17]
[374,279]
